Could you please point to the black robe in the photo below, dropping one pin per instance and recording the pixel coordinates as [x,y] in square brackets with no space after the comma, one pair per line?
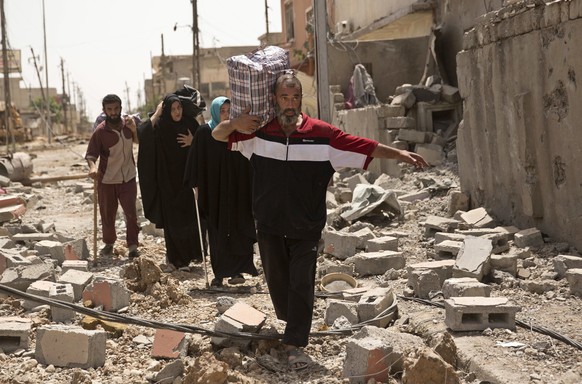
[223,179]
[167,201]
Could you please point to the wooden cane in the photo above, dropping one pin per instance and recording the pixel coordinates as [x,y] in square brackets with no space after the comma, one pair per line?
[94,221]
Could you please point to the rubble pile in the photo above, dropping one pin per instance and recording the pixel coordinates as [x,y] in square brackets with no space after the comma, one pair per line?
[391,247]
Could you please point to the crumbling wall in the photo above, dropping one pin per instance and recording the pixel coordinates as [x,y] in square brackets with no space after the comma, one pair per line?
[390,63]
[519,143]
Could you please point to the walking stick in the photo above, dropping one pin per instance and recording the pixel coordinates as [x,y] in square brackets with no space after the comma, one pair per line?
[200,235]
[94,221]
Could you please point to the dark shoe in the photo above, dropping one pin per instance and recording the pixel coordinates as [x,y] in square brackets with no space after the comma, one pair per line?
[236,279]
[216,283]
[133,254]
[107,250]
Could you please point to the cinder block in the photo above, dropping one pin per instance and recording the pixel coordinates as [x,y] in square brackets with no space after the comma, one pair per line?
[377,353]
[562,263]
[38,288]
[574,277]
[443,268]
[530,237]
[448,249]
[364,235]
[62,292]
[464,287]
[78,279]
[373,303]
[70,346]
[337,308]
[241,317]
[29,238]
[169,344]
[434,224]
[384,243]
[109,293]
[473,259]
[52,248]
[14,332]
[424,282]
[78,265]
[376,263]
[504,262]
[340,244]
[478,218]
[11,260]
[479,313]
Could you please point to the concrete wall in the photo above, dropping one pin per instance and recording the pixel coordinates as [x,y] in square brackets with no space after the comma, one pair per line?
[361,13]
[519,145]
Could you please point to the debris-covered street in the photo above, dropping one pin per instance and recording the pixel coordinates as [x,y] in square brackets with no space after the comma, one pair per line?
[417,333]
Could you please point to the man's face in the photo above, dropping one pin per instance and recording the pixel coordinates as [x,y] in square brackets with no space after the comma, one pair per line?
[288,104]
[112,112]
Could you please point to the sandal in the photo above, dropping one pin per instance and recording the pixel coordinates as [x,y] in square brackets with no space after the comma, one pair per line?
[298,360]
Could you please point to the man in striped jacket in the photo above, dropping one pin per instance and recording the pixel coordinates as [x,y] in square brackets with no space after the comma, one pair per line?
[294,157]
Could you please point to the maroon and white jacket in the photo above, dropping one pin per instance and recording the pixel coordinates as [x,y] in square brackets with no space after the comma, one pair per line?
[291,174]
[115,151]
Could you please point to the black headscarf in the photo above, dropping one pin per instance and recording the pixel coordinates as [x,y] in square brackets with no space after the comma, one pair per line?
[166,118]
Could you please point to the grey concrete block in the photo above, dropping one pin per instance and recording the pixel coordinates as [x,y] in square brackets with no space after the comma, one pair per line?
[465,286]
[14,333]
[70,346]
[479,313]
[376,263]
[337,308]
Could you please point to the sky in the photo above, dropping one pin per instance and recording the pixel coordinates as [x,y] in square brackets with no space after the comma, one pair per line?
[107,45]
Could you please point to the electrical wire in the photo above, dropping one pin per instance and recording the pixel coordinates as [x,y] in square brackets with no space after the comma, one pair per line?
[529,326]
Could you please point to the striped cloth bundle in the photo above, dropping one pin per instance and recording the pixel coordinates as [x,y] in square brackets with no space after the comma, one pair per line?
[252,78]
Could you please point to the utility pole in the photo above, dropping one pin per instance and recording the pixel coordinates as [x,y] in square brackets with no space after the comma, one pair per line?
[48,108]
[7,100]
[64,97]
[267,22]
[323,96]
[195,46]
[43,95]
[127,96]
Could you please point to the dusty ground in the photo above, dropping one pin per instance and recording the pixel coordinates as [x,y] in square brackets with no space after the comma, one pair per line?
[182,297]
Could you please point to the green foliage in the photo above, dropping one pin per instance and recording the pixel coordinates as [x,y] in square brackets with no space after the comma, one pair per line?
[55,107]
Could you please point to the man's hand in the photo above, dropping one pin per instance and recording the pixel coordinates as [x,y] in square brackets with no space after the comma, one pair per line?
[185,140]
[93,172]
[246,123]
[412,158]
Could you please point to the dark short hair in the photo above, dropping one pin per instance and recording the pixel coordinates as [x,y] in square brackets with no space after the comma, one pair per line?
[288,79]
[110,99]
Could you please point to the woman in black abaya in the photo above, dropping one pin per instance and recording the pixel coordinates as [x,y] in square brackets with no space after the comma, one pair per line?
[223,180]
[164,144]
